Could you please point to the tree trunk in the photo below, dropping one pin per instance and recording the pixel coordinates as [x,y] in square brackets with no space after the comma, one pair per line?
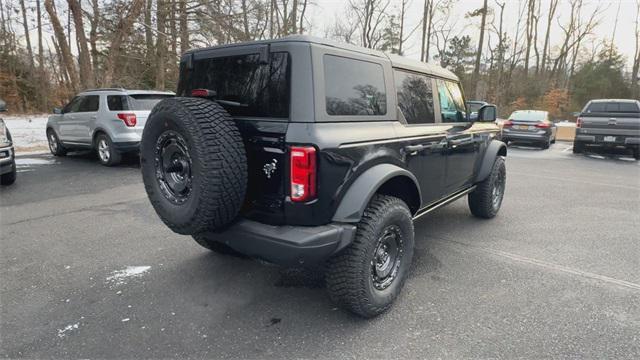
[123,29]
[476,70]
[86,73]
[65,52]
[636,59]
[401,40]
[26,33]
[93,38]
[43,89]
[172,27]
[425,12]
[304,9]
[245,20]
[184,28]
[161,46]
[553,5]
[148,32]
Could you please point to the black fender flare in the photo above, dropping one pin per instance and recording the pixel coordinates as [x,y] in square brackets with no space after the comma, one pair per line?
[496,148]
[357,197]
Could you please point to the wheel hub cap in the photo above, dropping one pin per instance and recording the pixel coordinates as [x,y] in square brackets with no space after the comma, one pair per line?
[387,257]
[173,167]
[103,150]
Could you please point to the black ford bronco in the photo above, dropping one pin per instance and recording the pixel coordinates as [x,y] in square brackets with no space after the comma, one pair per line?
[305,152]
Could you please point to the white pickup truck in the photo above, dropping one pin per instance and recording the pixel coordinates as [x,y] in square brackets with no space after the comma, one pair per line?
[613,123]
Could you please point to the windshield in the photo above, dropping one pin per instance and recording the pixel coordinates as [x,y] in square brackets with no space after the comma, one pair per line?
[528,115]
[242,85]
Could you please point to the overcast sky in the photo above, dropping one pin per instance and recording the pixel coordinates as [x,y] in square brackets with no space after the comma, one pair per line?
[325,11]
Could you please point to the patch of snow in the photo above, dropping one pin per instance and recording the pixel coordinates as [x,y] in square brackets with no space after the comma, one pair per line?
[125,319]
[120,277]
[63,332]
[26,162]
[27,131]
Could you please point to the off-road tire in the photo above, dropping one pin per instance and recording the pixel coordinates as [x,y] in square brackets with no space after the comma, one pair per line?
[349,273]
[578,148]
[218,164]
[58,149]
[9,178]
[481,200]
[206,241]
[636,153]
[114,157]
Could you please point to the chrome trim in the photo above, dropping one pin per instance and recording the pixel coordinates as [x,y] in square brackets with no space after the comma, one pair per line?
[444,202]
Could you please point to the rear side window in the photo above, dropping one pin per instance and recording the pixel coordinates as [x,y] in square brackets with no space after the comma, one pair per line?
[134,102]
[415,97]
[354,87]
[89,103]
[244,85]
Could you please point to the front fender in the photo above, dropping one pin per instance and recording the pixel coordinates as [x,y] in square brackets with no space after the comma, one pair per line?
[495,148]
[362,190]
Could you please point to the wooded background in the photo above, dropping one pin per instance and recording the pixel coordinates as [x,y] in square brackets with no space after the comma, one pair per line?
[137,44]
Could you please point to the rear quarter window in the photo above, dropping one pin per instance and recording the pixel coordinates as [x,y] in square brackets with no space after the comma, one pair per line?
[354,87]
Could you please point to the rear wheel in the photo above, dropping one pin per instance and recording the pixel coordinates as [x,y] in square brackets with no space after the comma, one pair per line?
[636,153]
[9,178]
[107,153]
[55,146]
[486,199]
[367,276]
[578,148]
[193,165]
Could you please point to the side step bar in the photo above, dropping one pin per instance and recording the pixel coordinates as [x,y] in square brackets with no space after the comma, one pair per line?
[443,202]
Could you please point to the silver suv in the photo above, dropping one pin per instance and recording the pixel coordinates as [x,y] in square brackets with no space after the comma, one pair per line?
[107,120]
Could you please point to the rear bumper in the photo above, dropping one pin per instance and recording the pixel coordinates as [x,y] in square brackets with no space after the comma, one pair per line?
[516,136]
[127,146]
[599,140]
[286,245]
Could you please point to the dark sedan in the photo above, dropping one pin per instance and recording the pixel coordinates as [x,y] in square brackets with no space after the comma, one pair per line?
[529,126]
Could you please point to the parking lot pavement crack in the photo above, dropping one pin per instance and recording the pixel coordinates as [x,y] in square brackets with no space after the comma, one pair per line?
[544,264]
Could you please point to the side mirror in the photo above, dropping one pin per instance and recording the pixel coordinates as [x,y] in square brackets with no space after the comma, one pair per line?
[3,106]
[57,111]
[487,113]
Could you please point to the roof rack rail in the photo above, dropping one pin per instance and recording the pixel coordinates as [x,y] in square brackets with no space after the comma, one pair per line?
[105,89]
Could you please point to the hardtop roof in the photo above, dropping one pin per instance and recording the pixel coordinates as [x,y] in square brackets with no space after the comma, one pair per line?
[396,60]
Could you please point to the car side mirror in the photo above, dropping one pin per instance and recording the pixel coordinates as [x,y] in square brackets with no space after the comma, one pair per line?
[3,106]
[487,113]
[57,111]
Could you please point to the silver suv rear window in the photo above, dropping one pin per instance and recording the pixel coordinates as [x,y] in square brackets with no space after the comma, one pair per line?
[134,102]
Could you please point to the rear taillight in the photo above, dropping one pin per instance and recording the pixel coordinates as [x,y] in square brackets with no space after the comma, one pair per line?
[543,125]
[303,173]
[579,122]
[205,93]
[508,123]
[129,119]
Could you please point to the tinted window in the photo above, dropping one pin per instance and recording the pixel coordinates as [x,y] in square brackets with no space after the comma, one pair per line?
[452,105]
[604,107]
[354,87]
[73,105]
[528,115]
[415,97]
[246,87]
[134,102]
[90,103]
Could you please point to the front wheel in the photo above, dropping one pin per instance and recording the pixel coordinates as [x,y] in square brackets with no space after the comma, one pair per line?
[107,154]
[9,178]
[55,146]
[486,199]
[367,276]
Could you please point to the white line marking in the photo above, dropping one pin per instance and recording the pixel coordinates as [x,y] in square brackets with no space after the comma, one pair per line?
[548,265]
[567,149]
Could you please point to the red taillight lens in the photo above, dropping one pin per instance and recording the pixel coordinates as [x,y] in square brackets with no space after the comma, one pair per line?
[579,122]
[202,93]
[303,173]
[543,125]
[129,119]
[508,123]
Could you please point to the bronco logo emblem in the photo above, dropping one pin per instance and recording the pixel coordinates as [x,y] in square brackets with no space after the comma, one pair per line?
[269,168]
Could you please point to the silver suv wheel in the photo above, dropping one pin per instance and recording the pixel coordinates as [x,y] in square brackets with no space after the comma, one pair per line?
[103,150]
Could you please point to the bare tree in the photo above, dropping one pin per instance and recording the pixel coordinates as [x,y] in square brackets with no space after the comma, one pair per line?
[476,69]
[636,56]
[553,6]
[26,33]
[371,17]
[86,72]
[122,31]
[65,51]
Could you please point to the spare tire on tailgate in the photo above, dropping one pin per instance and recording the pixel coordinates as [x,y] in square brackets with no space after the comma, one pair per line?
[194,164]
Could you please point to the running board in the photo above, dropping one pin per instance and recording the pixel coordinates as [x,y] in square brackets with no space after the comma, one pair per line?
[444,202]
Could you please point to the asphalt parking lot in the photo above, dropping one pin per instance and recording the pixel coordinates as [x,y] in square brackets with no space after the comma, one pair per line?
[89,271]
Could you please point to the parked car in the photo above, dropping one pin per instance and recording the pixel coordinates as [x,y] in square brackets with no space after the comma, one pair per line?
[529,126]
[473,106]
[7,154]
[609,123]
[306,152]
[108,120]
